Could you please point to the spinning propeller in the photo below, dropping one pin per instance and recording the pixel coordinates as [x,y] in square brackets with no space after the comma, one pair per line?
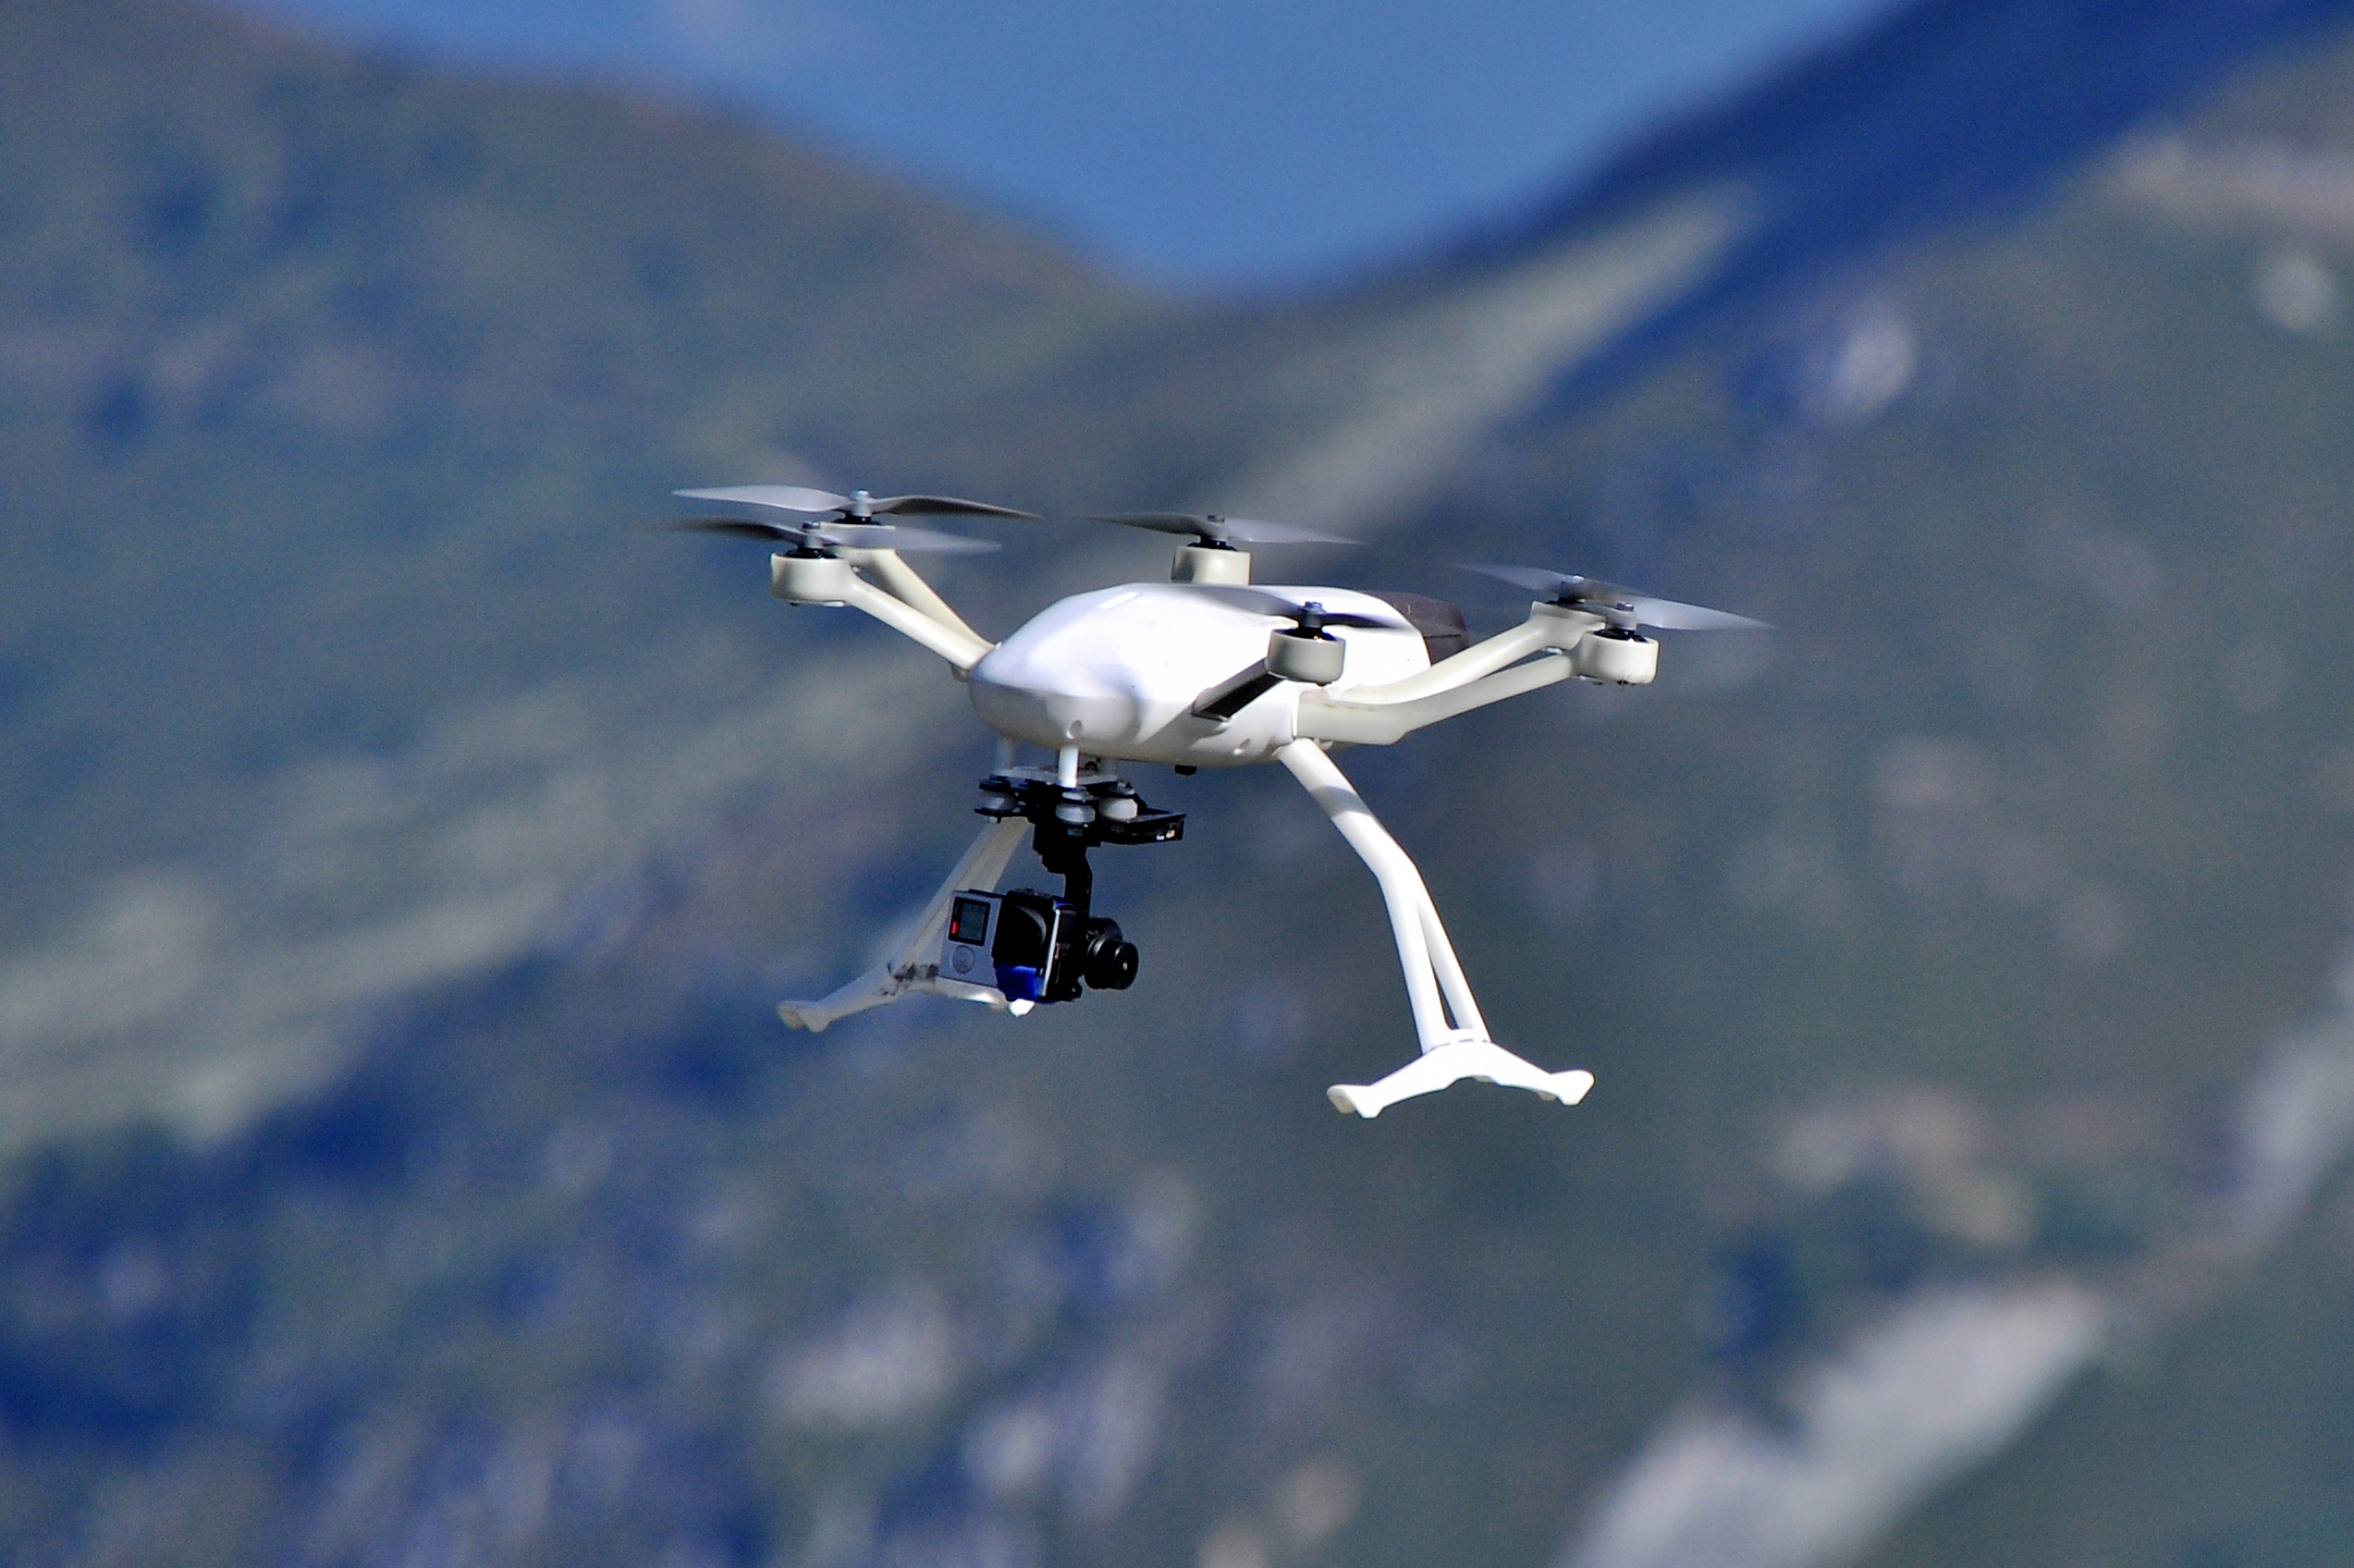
[817,535]
[858,504]
[1623,608]
[841,522]
[1220,533]
[1303,650]
[1309,617]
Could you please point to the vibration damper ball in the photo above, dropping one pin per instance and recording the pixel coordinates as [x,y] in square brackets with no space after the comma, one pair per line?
[1076,808]
[1117,802]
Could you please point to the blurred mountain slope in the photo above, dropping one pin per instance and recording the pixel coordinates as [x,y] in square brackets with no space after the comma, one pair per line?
[1938,111]
[341,368]
[1349,405]
[331,386]
[2048,802]
[1922,952]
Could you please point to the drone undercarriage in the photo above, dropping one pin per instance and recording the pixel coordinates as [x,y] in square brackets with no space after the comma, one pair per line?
[1040,947]
[1018,949]
[1015,950]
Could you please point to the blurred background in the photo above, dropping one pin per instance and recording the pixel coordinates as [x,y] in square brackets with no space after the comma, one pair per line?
[401,1158]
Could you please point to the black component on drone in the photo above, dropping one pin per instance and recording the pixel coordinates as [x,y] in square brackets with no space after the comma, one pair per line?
[1105,812]
[1046,947]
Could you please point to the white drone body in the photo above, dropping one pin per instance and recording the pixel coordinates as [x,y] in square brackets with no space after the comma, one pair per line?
[1205,671]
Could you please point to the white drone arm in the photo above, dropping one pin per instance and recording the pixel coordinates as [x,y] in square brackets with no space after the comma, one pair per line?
[1343,719]
[1485,672]
[913,966]
[1446,1017]
[831,579]
[1547,628]
[901,580]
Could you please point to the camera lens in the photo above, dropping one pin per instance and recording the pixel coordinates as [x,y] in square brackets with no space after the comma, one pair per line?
[1110,963]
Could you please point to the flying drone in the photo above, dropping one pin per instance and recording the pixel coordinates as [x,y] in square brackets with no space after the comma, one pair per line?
[1204,670]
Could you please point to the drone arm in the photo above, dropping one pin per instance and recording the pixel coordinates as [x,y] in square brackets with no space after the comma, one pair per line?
[903,583]
[958,644]
[1344,718]
[1485,672]
[1479,660]
[910,966]
[1548,626]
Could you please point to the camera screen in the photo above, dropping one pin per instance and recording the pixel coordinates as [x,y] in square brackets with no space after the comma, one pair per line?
[969,922]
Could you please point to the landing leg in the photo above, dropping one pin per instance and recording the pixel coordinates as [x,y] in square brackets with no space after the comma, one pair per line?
[1446,1018]
[910,966]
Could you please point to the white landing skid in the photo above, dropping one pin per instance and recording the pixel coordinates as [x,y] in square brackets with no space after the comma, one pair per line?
[1446,1018]
[914,965]
[1442,1066]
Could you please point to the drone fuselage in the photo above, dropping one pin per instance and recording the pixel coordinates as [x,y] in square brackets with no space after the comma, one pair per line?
[1118,672]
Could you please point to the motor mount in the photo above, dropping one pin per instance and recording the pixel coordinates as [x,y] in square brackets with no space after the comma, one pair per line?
[809,576]
[1615,656]
[1313,656]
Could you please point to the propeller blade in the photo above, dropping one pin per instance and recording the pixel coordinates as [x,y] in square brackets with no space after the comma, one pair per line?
[840,535]
[1261,602]
[940,506]
[1258,531]
[778,497]
[1163,523]
[906,541]
[858,504]
[736,526]
[1565,586]
[1667,615]
[1212,529]
[1536,578]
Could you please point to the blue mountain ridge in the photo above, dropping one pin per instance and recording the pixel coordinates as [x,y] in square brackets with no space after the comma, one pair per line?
[1941,113]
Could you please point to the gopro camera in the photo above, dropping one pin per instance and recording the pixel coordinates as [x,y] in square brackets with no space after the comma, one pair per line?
[1033,946]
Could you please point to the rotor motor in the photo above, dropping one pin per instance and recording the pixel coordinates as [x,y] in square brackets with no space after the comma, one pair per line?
[806,576]
[1215,564]
[1616,656]
[1316,657]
